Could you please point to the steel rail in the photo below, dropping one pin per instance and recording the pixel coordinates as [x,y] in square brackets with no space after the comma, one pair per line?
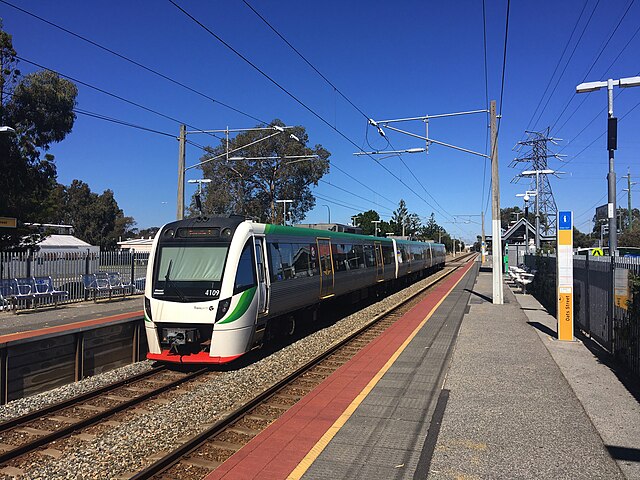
[56,407]
[66,431]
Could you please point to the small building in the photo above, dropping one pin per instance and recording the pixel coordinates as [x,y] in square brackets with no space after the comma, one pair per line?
[515,237]
[136,244]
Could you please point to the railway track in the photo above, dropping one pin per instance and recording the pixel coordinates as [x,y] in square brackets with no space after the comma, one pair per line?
[44,427]
[204,452]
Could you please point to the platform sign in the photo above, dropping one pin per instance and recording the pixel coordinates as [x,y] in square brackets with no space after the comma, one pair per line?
[621,287]
[8,222]
[565,276]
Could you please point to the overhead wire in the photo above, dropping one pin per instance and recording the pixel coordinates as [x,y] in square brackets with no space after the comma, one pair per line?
[101,90]
[442,210]
[593,63]
[134,62]
[504,67]
[575,26]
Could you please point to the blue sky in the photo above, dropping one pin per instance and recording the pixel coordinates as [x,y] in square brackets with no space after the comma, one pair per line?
[391,59]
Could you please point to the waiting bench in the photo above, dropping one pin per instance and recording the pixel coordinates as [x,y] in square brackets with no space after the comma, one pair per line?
[521,277]
[31,291]
[109,282]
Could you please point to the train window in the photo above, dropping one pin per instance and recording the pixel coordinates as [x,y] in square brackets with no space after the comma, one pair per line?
[246,273]
[369,257]
[339,257]
[356,257]
[302,264]
[286,254]
[388,256]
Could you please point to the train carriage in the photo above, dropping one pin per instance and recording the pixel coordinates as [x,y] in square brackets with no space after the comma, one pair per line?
[215,284]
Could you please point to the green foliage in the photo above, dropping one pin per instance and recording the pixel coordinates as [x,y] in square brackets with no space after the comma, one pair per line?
[251,187]
[630,238]
[96,219]
[39,106]
[581,240]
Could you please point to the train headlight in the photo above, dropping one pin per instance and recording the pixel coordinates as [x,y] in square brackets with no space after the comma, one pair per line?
[147,308]
[226,234]
[169,233]
[223,308]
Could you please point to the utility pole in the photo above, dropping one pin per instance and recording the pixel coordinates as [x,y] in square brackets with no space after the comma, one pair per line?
[496,247]
[628,190]
[483,244]
[181,159]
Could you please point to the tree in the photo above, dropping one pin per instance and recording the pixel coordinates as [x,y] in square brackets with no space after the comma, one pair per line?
[96,219]
[581,240]
[251,187]
[399,218]
[39,106]
[431,231]
[630,238]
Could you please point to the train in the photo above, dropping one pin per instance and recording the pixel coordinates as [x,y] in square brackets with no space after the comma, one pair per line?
[217,286]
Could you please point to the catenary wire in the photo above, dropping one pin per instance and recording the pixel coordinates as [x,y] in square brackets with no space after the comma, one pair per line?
[300,102]
[602,49]
[134,62]
[442,209]
[98,89]
[575,47]
[575,26]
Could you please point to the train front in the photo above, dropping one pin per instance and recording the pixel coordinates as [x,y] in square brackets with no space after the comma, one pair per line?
[200,297]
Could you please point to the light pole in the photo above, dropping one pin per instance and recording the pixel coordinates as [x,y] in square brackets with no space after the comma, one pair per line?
[284,209]
[328,211]
[527,196]
[612,141]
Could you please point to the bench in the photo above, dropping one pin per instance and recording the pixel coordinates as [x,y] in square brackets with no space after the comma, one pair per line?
[43,288]
[28,290]
[110,282]
[521,277]
[6,294]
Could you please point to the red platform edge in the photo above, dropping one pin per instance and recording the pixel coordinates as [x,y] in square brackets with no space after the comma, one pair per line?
[277,451]
[10,337]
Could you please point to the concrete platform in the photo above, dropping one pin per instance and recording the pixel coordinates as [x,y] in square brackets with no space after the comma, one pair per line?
[500,400]
[70,314]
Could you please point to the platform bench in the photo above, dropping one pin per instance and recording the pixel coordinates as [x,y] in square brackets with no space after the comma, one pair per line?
[110,282]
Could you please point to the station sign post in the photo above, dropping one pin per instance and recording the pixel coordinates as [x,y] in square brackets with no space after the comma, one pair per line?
[564,275]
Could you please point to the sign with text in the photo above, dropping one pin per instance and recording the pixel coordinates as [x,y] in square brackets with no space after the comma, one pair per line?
[564,276]
[8,222]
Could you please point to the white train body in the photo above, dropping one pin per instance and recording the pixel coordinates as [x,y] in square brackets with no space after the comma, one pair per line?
[214,284]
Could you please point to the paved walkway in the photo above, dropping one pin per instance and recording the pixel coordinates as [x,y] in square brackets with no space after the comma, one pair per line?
[524,405]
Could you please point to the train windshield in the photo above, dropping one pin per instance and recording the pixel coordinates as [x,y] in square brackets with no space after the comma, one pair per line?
[189,273]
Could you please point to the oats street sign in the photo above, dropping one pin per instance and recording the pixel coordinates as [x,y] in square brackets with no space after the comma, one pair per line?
[8,222]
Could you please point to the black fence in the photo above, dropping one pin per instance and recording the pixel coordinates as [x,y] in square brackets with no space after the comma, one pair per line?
[66,268]
[606,300]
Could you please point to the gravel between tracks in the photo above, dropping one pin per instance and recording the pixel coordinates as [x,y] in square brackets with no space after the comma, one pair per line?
[124,448]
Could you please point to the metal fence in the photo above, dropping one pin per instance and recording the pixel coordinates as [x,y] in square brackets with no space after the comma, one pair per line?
[606,300]
[66,268]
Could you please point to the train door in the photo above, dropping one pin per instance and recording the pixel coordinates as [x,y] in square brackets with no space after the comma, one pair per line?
[326,267]
[263,276]
[377,247]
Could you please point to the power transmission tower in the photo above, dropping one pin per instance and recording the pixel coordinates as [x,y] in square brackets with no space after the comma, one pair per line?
[535,152]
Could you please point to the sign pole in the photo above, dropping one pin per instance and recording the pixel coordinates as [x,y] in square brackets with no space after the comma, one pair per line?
[564,275]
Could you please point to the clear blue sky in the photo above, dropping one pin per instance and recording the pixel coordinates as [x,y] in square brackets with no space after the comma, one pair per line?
[391,59]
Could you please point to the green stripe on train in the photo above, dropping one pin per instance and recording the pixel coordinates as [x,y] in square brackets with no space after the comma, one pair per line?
[242,306]
[311,232]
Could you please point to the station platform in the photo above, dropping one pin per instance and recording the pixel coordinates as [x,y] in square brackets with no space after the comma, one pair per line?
[458,388]
[69,315]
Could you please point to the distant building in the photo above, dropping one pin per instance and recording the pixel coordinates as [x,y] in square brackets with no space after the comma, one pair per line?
[136,244]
